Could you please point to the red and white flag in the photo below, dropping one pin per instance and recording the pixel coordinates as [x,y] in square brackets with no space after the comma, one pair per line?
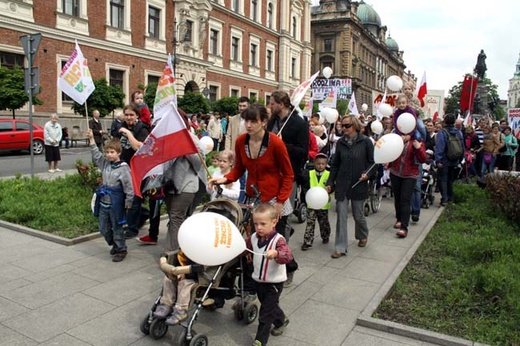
[169,139]
[467,93]
[301,90]
[467,120]
[75,79]
[165,93]
[422,90]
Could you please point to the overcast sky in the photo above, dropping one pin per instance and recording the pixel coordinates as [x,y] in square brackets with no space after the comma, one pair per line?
[445,37]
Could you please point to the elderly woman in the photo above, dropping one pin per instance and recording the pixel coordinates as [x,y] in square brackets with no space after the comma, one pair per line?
[354,156]
[52,135]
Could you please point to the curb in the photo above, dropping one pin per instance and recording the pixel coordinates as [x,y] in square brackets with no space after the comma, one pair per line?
[365,319]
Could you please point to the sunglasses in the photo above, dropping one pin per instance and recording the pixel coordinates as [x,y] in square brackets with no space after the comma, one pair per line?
[346,126]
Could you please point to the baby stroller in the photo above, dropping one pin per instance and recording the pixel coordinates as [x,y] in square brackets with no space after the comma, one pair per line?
[427,185]
[226,280]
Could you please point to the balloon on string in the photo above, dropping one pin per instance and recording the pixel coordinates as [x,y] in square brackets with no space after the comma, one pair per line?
[210,239]
[327,72]
[321,119]
[317,197]
[406,123]
[207,144]
[385,109]
[364,107]
[330,114]
[394,83]
[388,148]
[376,127]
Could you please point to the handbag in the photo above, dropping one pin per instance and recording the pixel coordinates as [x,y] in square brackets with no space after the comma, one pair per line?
[488,157]
[153,187]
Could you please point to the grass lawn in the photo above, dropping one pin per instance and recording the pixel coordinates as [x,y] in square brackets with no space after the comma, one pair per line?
[464,279]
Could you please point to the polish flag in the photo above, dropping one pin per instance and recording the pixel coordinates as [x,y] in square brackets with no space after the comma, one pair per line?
[421,89]
[169,139]
[467,120]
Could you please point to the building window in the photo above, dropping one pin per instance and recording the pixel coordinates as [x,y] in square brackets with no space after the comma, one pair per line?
[235,5]
[254,49]
[64,97]
[294,27]
[189,30]
[11,60]
[154,20]
[213,93]
[117,13]
[270,15]
[269,60]
[71,7]
[253,96]
[254,9]
[235,46]
[235,93]
[117,78]
[293,68]
[153,79]
[213,41]
[327,45]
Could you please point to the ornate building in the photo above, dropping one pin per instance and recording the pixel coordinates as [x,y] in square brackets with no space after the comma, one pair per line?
[226,48]
[348,37]
[513,94]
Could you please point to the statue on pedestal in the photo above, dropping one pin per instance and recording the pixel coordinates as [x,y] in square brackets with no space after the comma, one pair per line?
[480,68]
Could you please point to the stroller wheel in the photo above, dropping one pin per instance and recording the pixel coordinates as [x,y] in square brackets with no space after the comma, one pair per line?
[199,340]
[158,328]
[250,313]
[145,325]
[302,213]
[179,335]
[239,312]
[367,209]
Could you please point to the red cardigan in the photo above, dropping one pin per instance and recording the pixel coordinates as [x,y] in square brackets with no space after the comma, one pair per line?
[271,173]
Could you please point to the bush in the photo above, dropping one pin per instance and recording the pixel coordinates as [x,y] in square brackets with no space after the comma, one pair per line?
[504,190]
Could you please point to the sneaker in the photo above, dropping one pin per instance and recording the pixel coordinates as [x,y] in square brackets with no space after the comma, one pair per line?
[177,317]
[277,331]
[51,170]
[257,343]
[362,242]
[415,217]
[249,297]
[146,240]
[289,280]
[162,311]
[130,235]
[58,170]
[119,256]
[113,251]
[305,246]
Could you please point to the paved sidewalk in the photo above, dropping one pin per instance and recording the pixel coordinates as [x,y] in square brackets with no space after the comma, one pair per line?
[52,294]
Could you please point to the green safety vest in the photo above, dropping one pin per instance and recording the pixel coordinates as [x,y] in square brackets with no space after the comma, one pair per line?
[314,182]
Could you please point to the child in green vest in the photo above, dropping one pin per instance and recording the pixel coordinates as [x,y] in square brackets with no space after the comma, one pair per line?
[317,177]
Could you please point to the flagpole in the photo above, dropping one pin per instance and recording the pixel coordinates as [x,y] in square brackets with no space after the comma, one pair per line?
[86,113]
[285,123]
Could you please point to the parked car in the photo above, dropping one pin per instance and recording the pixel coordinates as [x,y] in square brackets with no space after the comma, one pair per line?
[15,135]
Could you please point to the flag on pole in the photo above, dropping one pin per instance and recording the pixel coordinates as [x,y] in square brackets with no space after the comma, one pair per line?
[169,139]
[383,100]
[307,110]
[352,106]
[75,79]
[165,93]
[301,90]
[467,93]
[467,120]
[422,89]
[330,101]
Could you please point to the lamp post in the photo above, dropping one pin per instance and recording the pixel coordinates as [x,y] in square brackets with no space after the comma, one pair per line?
[175,43]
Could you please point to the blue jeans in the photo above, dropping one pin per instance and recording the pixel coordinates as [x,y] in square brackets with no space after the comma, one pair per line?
[489,167]
[110,229]
[446,176]
[133,215]
[416,194]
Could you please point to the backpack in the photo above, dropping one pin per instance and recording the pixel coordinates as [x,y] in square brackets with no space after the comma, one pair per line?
[454,147]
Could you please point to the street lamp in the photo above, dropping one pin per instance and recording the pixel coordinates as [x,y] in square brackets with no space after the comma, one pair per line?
[175,43]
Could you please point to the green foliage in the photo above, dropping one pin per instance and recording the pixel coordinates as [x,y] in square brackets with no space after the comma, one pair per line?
[501,188]
[227,105]
[60,206]
[342,107]
[105,98]
[464,280]
[149,95]
[89,174]
[193,103]
[12,89]
[452,101]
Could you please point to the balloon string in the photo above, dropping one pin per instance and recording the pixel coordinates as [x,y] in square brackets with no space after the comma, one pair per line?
[256,253]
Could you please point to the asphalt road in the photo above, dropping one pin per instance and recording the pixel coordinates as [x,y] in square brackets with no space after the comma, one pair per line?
[12,163]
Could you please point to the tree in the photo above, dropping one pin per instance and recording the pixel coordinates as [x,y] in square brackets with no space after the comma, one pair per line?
[227,105]
[12,90]
[106,98]
[193,103]
[452,101]
[149,95]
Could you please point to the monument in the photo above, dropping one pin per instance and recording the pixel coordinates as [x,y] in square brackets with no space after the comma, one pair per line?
[480,103]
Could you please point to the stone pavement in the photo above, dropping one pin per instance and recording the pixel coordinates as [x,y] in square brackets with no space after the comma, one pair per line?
[52,294]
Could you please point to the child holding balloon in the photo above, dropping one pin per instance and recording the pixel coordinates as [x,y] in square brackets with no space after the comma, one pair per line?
[317,177]
[270,255]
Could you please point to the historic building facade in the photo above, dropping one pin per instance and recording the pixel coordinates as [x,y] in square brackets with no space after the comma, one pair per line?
[513,94]
[348,37]
[222,47]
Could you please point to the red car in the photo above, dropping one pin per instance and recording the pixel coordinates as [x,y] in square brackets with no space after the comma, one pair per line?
[15,135]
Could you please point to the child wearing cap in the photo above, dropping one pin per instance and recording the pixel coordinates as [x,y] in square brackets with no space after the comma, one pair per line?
[317,177]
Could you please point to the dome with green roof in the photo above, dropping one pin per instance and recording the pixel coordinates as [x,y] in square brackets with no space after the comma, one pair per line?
[367,15]
[392,44]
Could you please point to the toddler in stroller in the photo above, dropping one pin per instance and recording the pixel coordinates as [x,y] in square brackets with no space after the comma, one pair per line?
[428,181]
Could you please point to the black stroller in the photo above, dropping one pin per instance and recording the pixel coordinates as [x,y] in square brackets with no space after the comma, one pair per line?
[427,185]
[226,280]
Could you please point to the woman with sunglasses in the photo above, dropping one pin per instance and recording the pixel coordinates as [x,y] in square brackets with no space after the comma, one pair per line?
[354,155]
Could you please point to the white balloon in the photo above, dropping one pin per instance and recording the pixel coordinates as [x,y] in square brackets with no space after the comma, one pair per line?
[376,127]
[406,123]
[332,116]
[364,107]
[317,197]
[207,143]
[327,72]
[321,120]
[210,239]
[385,109]
[394,83]
[388,148]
